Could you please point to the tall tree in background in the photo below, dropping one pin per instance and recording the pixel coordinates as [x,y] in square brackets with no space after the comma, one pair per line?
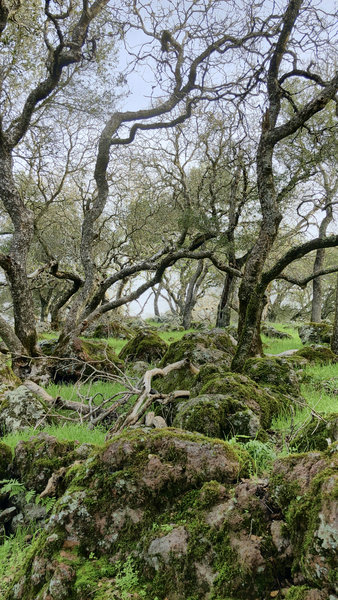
[279,77]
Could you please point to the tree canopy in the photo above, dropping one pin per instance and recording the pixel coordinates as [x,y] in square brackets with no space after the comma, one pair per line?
[235,127]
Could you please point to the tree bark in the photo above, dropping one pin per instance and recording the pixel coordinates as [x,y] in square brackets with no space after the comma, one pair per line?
[157,293]
[224,306]
[334,339]
[316,312]
[191,295]
[14,263]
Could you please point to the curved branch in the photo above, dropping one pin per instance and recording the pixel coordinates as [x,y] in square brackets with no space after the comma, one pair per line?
[296,253]
[303,282]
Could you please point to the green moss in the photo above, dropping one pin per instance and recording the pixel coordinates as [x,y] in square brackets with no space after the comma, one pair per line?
[244,390]
[319,355]
[90,572]
[283,491]
[274,373]
[37,458]
[297,592]
[210,493]
[147,346]
[5,460]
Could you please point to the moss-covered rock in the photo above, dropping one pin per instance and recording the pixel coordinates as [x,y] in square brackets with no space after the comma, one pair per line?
[211,346]
[36,459]
[306,488]
[274,373]
[21,409]
[304,592]
[227,404]
[264,403]
[212,349]
[216,415]
[140,509]
[146,346]
[165,514]
[272,332]
[5,460]
[319,434]
[107,328]
[315,333]
[317,354]
[222,403]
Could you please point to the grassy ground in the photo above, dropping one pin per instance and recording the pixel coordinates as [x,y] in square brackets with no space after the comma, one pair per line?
[275,346]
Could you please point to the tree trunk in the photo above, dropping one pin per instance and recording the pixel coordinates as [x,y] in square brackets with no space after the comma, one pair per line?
[316,312]
[334,339]
[157,293]
[191,295]
[251,292]
[15,262]
[224,306]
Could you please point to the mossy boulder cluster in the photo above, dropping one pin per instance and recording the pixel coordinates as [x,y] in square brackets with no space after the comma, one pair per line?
[223,403]
[212,346]
[315,333]
[168,514]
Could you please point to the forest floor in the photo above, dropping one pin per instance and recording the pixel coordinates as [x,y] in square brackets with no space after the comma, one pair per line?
[318,388]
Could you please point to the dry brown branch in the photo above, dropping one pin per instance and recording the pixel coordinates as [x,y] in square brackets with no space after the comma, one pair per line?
[146,398]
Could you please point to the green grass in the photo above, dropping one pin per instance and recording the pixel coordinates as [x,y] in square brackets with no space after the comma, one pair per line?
[275,346]
[320,381]
[72,432]
[96,390]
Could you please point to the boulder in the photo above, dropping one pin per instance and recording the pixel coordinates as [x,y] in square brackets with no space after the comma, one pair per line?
[212,346]
[142,507]
[36,459]
[305,488]
[145,346]
[169,515]
[108,328]
[227,404]
[317,354]
[315,333]
[272,332]
[273,373]
[217,416]
[21,409]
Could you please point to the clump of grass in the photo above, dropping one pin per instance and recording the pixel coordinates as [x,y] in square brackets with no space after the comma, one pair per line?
[262,453]
[72,432]
[319,401]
